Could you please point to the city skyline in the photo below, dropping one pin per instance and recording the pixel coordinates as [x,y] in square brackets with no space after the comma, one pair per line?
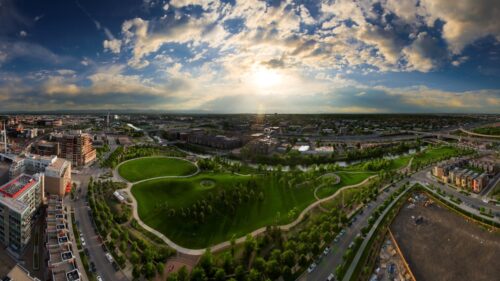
[251,56]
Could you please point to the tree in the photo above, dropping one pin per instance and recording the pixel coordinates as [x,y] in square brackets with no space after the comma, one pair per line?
[198,274]
[182,274]
[228,262]
[160,267]
[239,273]
[273,269]
[136,272]
[287,273]
[220,275]
[149,270]
[134,258]
[173,277]
[288,258]
[206,262]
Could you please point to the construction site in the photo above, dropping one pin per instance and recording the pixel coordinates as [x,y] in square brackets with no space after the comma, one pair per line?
[437,243]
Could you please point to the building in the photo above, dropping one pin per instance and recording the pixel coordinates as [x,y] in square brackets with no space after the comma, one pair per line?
[46,148]
[57,171]
[479,183]
[219,141]
[19,273]
[61,261]
[77,148]
[20,200]
[58,177]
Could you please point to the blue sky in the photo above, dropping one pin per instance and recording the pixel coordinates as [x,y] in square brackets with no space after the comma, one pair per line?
[251,56]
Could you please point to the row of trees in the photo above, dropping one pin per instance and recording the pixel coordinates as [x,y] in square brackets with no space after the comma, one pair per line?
[147,259]
[126,153]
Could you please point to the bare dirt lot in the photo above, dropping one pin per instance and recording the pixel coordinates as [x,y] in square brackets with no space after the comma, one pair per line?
[445,246]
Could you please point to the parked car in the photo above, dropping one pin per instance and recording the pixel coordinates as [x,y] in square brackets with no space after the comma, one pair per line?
[99,278]
[92,267]
[326,251]
[331,277]
[311,267]
[109,257]
[116,267]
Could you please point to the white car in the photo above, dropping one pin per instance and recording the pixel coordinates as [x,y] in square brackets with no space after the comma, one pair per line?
[83,241]
[99,278]
[326,251]
[109,257]
[311,267]
[331,277]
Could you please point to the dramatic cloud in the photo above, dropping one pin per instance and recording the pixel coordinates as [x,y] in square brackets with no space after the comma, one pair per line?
[249,55]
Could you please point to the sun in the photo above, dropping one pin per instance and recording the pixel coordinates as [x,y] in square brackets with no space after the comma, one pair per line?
[265,78]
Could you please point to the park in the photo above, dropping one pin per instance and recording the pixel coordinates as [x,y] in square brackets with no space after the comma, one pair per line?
[197,208]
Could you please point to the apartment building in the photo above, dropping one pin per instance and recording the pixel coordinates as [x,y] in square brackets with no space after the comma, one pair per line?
[20,199]
[61,261]
[57,171]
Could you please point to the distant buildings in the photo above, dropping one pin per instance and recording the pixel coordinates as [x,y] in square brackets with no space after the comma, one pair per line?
[20,200]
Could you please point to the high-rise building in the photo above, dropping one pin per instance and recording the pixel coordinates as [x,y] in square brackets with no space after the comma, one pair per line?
[77,148]
[20,200]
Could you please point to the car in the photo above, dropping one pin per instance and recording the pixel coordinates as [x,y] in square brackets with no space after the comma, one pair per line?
[336,240]
[83,243]
[115,266]
[311,267]
[86,251]
[92,267]
[330,277]
[104,247]
[326,251]
[81,235]
[99,278]
[109,257]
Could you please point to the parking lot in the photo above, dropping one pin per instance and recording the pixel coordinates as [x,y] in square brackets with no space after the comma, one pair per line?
[439,244]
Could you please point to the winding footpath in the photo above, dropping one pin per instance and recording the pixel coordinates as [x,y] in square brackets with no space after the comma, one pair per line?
[222,245]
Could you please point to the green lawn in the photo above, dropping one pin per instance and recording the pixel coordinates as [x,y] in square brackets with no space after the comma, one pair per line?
[150,167]
[434,154]
[346,178]
[492,131]
[281,205]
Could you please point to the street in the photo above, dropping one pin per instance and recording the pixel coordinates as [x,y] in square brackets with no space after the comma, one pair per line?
[96,253]
[332,260]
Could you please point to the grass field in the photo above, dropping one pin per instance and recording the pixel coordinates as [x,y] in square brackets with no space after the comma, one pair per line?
[346,178]
[492,131]
[434,154]
[150,167]
[281,205]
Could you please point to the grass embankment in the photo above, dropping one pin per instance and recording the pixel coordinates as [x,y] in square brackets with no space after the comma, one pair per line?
[151,167]
[492,131]
[431,155]
[236,205]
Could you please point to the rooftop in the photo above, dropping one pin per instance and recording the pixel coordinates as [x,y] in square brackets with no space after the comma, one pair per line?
[16,186]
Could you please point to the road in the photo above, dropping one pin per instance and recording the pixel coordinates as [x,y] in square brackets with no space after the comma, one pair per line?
[332,260]
[103,266]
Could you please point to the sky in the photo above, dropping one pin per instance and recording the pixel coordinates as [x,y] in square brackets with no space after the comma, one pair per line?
[249,56]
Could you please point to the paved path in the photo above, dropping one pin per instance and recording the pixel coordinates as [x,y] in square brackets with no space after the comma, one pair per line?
[227,244]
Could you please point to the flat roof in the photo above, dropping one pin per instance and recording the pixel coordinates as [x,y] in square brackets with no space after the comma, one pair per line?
[16,186]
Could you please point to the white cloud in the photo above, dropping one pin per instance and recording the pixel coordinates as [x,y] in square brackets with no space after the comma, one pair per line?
[23,33]
[113,45]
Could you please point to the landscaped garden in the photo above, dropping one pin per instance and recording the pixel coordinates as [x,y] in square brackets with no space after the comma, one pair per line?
[151,167]
[213,207]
